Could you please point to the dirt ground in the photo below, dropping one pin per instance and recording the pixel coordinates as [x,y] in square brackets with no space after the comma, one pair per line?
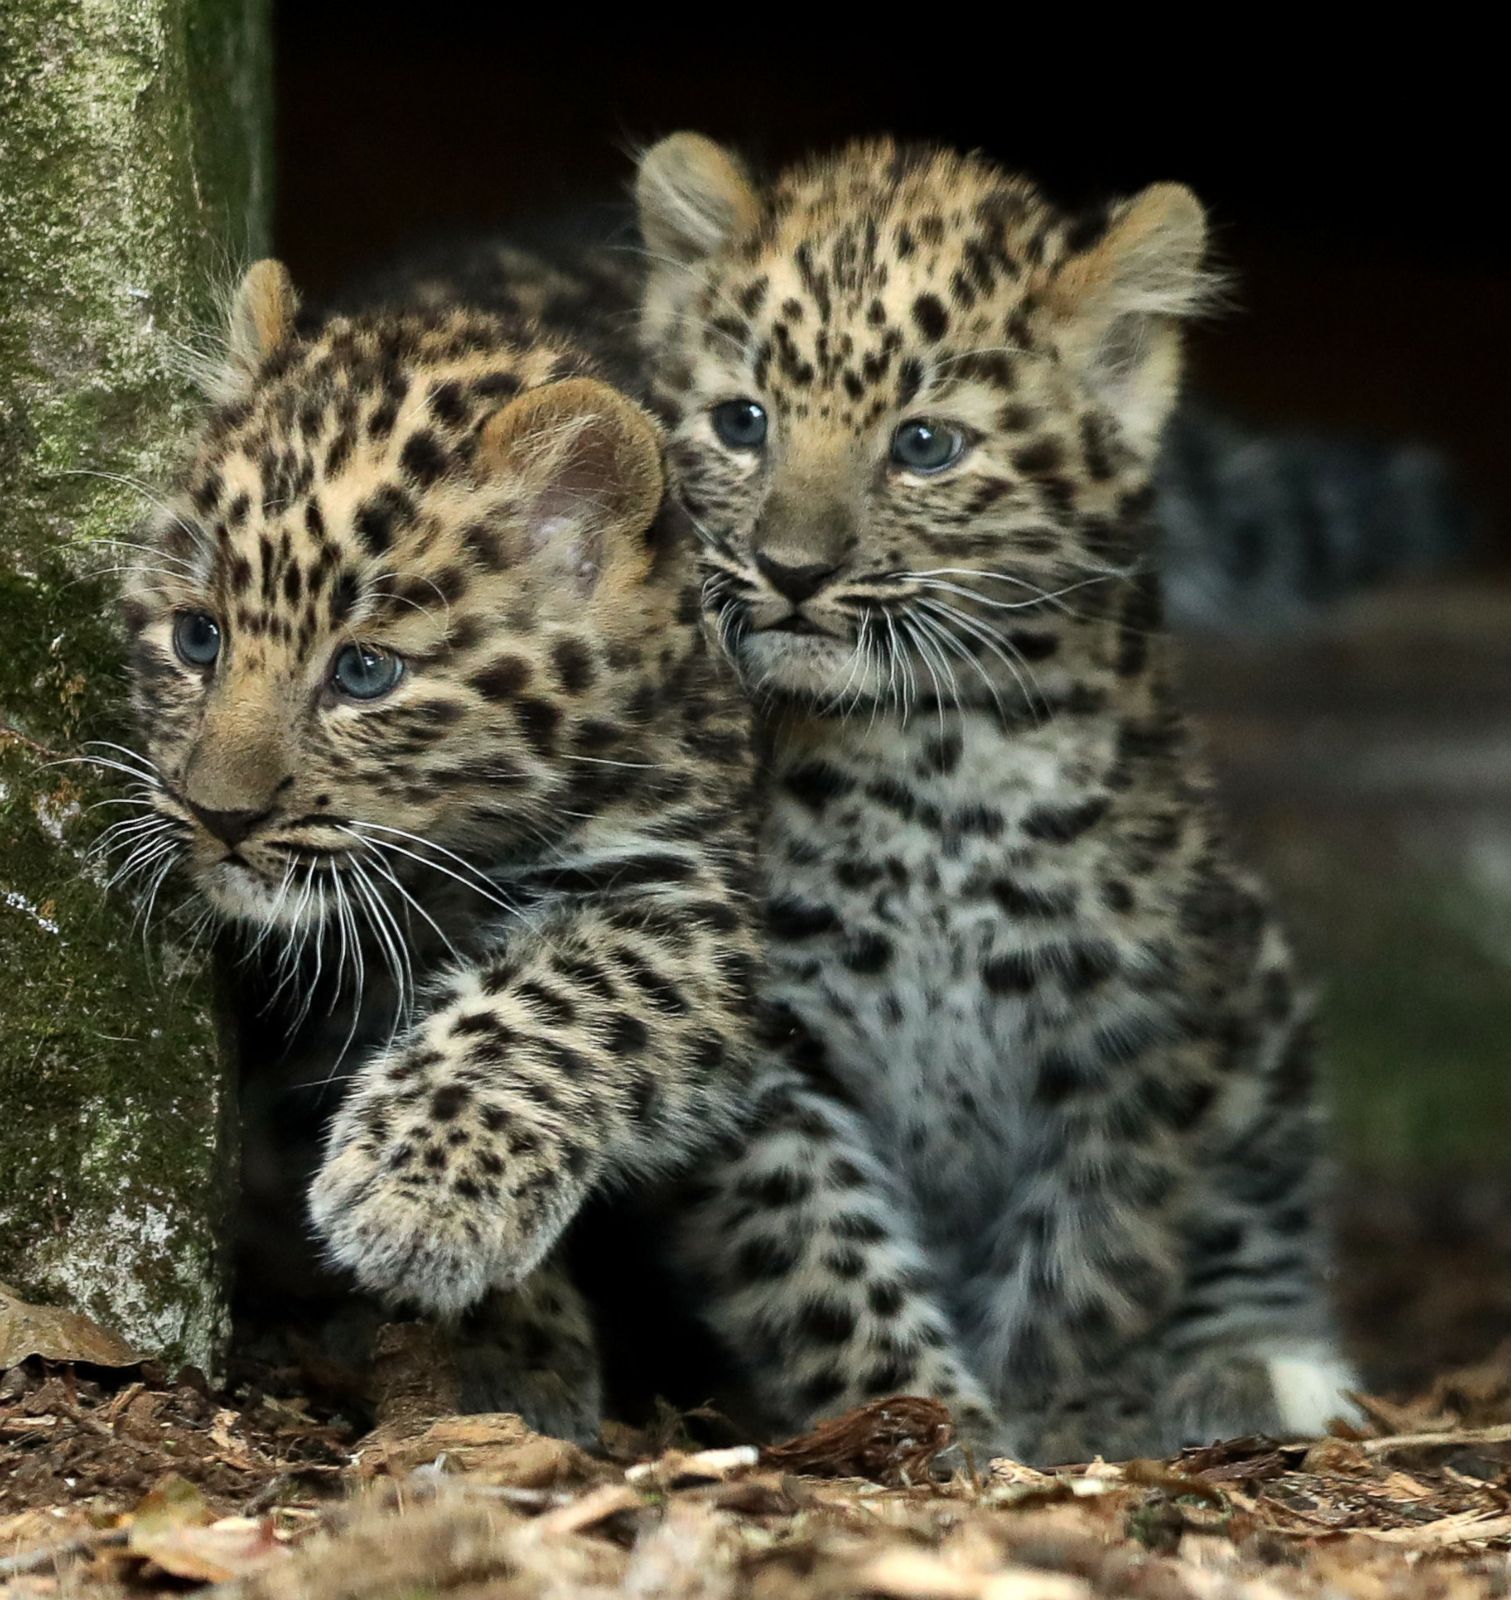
[117,1480]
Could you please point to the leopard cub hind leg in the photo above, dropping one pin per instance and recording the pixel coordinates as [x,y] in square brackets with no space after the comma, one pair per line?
[1154,1403]
[533,1350]
[810,1269]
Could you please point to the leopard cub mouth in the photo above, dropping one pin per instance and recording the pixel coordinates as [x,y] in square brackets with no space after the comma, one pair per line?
[797,623]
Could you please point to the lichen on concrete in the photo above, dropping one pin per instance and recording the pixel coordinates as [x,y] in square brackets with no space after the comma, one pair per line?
[133,178]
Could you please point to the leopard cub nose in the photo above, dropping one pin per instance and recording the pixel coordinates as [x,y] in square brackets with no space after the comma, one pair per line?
[794,583]
[230,827]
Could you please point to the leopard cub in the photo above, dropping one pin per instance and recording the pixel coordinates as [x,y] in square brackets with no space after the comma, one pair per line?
[914,411]
[426,711]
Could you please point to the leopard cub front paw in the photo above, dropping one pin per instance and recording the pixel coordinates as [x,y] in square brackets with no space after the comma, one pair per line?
[430,1211]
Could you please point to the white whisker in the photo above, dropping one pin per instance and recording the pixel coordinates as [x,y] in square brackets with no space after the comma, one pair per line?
[376,851]
[475,879]
[982,635]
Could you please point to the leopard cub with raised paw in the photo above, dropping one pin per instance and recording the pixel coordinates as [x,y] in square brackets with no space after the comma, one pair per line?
[427,710]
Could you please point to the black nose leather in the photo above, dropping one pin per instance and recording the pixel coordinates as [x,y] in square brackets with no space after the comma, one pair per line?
[231,827]
[794,583]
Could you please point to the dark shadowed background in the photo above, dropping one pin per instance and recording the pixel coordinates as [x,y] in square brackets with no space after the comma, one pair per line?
[1366,754]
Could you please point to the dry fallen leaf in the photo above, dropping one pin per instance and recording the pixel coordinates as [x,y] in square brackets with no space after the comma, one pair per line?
[1342,1457]
[490,1447]
[54,1334]
[1445,1439]
[174,1503]
[1468,1527]
[906,1574]
[690,1553]
[211,1553]
[464,1507]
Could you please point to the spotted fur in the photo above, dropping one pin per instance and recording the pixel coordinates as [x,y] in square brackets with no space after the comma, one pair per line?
[1054,1028]
[518,878]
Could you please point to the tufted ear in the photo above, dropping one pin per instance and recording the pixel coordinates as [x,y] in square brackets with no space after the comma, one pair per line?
[693,196]
[587,463]
[261,323]
[1121,300]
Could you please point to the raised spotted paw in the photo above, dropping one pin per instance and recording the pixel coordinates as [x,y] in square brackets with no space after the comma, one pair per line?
[436,1213]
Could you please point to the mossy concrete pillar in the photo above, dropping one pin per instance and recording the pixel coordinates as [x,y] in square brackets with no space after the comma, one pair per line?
[134,150]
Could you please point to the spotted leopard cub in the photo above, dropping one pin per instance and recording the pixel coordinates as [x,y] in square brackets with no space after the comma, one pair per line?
[427,708]
[913,411]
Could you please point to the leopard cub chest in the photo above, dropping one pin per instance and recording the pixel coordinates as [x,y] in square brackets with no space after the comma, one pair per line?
[949,920]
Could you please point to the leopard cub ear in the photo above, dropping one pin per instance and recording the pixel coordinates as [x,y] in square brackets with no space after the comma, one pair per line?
[1121,300]
[260,323]
[586,465]
[693,196]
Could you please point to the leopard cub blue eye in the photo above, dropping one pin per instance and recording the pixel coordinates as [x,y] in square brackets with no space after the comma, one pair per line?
[741,424]
[196,638]
[924,446]
[364,672]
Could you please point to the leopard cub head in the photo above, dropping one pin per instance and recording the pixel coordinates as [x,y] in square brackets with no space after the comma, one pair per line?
[913,408]
[407,603]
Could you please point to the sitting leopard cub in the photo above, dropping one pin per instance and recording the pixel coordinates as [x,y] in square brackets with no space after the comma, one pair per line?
[913,411]
[427,707]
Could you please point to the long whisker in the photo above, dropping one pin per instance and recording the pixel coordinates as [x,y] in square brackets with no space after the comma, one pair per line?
[351,950]
[985,350]
[946,640]
[167,579]
[141,801]
[916,638]
[148,779]
[894,667]
[265,931]
[144,491]
[136,544]
[604,761]
[376,850]
[1002,646]
[1040,599]
[474,879]
[145,851]
[195,935]
[102,762]
[128,831]
[968,625]
[391,940]
[149,767]
[154,888]
[313,985]
[1040,596]
[859,661]
[287,966]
